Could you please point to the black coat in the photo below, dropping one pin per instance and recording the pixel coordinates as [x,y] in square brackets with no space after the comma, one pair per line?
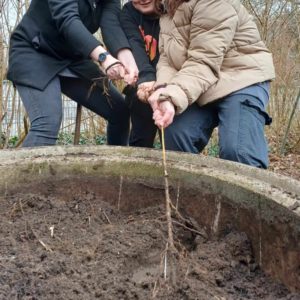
[55,34]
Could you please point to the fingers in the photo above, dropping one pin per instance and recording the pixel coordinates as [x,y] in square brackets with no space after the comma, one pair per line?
[163,116]
[116,72]
[144,90]
[122,72]
[166,119]
[147,85]
[130,77]
[143,95]
[152,100]
[131,70]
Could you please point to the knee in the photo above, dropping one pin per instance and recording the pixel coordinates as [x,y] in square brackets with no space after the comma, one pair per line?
[229,151]
[179,139]
[252,156]
[47,125]
[175,134]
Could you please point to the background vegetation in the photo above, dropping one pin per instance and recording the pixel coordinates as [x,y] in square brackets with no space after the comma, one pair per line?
[279,25]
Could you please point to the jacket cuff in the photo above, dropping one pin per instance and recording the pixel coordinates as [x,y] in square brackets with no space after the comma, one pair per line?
[146,77]
[178,96]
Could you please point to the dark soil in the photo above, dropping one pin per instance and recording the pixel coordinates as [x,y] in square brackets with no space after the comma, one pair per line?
[85,249]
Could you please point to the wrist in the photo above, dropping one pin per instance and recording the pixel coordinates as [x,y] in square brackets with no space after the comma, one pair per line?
[166,98]
[123,51]
[163,98]
[159,86]
[102,57]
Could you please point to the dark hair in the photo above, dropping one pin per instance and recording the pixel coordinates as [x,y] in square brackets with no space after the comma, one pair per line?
[172,5]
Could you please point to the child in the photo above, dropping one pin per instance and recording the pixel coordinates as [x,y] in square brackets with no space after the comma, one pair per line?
[214,71]
[140,22]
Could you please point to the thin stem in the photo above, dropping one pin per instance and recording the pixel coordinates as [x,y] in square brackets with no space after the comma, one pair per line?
[167,194]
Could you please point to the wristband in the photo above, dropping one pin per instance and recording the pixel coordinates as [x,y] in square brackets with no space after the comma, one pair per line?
[113,64]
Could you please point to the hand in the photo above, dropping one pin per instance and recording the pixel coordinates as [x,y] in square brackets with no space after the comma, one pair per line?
[116,71]
[131,70]
[164,114]
[163,111]
[144,90]
[153,99]
[113,68]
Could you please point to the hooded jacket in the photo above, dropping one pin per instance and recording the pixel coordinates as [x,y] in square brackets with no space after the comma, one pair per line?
[55,34]
[142,32]
[209,49]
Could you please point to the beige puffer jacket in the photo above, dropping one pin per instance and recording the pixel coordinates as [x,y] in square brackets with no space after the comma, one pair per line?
[209,49]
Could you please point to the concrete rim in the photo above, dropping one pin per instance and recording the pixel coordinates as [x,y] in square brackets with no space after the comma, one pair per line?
[281,189]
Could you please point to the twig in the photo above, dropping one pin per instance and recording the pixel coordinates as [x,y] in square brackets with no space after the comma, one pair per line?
[177,196]
[167,194]
[108,220]
[51,228]
[120,191]
[190,229]
[77,124]
[186,221]
[33,232]
[165,265]
[282,148]
[44,245]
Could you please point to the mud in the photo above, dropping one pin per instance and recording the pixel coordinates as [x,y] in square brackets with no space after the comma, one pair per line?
[85,249]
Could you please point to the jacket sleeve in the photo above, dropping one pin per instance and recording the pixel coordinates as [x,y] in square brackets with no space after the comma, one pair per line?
[164,72]
[213,26]
[65,14]
[146,71]
[113,35]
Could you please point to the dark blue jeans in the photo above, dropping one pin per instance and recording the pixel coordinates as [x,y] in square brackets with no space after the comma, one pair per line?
[44,109]
[240,119]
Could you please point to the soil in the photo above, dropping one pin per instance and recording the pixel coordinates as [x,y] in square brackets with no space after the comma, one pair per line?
[86,249]
[288,165]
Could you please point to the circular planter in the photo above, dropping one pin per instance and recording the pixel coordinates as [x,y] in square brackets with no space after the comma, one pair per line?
[220,195]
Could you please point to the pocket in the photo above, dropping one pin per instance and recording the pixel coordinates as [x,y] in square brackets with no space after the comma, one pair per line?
[257,111]
[252,145]
[40,44]
[36,42]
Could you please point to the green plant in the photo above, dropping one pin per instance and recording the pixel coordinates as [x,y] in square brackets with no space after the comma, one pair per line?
[65,138]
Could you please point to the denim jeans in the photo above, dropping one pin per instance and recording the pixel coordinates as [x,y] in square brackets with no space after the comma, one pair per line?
[240,118]
[44,109]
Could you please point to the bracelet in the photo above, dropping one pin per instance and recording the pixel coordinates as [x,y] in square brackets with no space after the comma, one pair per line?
[113,64]
[159,86]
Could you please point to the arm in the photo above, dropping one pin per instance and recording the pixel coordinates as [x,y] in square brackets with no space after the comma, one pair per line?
[212,30]
[65,14]
[131,29]
[164,71]
[66,17]
[116,40]
[113,35]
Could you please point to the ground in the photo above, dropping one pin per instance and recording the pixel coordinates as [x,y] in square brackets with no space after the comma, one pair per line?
[85,249]
[288,165]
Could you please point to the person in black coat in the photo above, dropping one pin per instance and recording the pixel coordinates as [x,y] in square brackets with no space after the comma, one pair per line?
[53,50]
[140,22]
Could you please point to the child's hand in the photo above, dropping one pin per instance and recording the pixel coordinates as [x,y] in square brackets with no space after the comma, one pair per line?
[131,70]
[164,114]
[144,90]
